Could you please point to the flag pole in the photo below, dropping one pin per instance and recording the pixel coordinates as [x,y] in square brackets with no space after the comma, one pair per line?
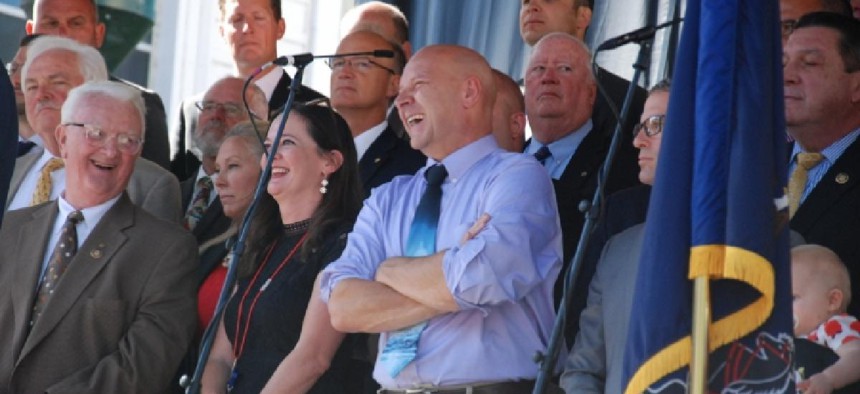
[701,321]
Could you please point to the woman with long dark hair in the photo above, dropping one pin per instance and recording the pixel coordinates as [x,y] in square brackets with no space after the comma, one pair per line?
[276,332]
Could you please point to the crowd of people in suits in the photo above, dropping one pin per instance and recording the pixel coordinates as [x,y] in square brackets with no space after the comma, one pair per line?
[409,236]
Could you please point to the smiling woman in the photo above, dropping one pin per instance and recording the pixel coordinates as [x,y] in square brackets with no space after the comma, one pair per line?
[276,331]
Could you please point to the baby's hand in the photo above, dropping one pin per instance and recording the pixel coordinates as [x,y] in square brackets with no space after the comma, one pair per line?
[816,384]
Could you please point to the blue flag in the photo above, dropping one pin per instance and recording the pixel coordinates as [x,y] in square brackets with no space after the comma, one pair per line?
[718,209]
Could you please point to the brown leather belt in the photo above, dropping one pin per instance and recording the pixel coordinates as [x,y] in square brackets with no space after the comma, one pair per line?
[520,387]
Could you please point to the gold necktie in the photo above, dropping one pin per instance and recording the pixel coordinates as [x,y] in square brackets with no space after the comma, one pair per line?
[43,186]
[797,181]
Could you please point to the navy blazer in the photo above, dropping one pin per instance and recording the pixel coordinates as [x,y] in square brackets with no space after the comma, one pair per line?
[388,156]
[830,215]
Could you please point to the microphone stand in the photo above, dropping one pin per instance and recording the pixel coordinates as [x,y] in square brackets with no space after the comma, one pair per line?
[547,361]
[194,386]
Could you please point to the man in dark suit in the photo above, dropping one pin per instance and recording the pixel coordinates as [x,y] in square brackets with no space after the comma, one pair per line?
[362,88]
[560,94]
[79,20]
[389,22]
[220,110]
[595,362]
[541,17]
[97,295]
[251,47]
[8,136]
[822,112]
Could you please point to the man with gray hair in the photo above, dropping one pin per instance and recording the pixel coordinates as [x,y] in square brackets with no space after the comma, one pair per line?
[54,66]
[79,20]
[220,109]
[96,295]
[560,95]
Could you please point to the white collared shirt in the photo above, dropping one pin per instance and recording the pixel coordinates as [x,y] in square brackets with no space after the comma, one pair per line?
[24,195]
[365,139]
[92,217]
[267,83]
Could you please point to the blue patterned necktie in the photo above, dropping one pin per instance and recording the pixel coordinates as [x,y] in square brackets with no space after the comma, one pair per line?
[402,345]
[542,154]
[199,204]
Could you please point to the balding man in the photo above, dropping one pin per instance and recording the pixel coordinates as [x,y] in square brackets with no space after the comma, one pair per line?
[54,66]
[509,114]
[381,18]
[79,20]
[251,29]
[389,22]
[220,109]
[362,89]
[560,94]
[541,17]
[463,255]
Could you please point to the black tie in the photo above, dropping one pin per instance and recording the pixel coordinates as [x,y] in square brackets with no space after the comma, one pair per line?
[24,147]
[542,154]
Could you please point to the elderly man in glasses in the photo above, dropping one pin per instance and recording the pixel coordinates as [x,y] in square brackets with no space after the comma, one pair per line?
[220,109]
[362,89]
[97,294]
[595,362]
[54,66]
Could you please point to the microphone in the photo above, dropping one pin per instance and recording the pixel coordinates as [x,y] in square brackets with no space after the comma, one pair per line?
[305,58]
[637,35]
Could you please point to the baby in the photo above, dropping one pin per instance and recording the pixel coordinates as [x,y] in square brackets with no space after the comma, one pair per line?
[822,291]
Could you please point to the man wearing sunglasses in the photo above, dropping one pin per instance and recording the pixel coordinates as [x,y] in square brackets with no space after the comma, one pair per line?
[362,89]
[54,66]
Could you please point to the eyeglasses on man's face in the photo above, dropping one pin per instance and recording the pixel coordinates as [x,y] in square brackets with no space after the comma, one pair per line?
[97,137]
[651,126]
[230,110]
[360,64]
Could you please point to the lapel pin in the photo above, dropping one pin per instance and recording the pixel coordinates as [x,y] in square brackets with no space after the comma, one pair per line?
[96,253]
[377,160]
[584,173]
[842,178]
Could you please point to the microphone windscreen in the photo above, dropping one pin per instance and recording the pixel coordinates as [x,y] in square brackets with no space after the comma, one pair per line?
[383,53]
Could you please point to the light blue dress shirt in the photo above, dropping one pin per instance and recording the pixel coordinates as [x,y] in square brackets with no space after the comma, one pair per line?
[562,150]
[831,154]
[502,279]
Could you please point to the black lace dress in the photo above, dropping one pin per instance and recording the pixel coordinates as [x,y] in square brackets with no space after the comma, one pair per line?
[275,322]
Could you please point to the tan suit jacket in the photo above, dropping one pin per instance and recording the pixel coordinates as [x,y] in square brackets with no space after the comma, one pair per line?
[120,318]
[150,187]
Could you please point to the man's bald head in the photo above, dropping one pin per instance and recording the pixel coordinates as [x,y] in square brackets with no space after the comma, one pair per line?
[381,18]
[446,99]
[509,116]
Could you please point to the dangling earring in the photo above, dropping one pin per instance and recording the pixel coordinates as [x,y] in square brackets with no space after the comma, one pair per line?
[323,188]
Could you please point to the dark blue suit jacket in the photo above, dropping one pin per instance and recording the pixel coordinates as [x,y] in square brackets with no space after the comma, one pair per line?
[388,157]
[8,136]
